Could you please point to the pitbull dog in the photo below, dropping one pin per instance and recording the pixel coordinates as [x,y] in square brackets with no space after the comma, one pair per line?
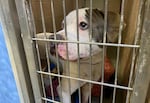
[90,56]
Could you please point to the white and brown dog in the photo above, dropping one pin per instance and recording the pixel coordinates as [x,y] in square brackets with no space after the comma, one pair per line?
[84,51]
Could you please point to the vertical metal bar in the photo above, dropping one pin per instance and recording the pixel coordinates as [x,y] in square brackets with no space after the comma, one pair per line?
[90,38]
[77,22]
[33,20]
[42,16]
[137,34]
[104,48]
[65,27]
[142,77]
[39,62]
[46,47]
[37,48]
[118,48]
[54,30]
[131,73]
[24,21]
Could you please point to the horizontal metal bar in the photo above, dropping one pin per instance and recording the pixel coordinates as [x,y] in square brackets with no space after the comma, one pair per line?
[89,81]
[104,44]
[49,100]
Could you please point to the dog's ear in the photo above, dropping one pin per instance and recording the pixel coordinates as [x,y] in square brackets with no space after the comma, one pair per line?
[113,26]
[113,22]
[97,24]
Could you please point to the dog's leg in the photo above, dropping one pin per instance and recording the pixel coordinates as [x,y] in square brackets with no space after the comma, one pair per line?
[85,92]
[65,92]
[63,95]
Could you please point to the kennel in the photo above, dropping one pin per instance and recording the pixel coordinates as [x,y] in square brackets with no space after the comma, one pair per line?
[130,56]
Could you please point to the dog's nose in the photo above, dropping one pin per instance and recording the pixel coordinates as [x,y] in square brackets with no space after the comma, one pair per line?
[53,44]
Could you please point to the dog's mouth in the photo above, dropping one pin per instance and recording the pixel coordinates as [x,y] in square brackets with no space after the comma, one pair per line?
[68,51]
[65,53]
[62,48]
[54,45]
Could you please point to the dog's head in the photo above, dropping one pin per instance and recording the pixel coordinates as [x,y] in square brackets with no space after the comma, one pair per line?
[84,35]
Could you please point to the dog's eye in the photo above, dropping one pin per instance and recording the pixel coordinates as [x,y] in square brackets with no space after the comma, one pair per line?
[83,25]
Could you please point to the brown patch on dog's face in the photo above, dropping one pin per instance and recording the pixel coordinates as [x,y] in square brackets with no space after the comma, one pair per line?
[113,21]
[97,24]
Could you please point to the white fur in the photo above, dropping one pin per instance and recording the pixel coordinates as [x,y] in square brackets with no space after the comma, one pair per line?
[84,49]
[84,52]
[72,52]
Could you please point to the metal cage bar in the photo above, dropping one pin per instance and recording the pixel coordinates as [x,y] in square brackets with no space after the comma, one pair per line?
[54,29]
[10,24]
[90,38]
[104,47]
[65,27]
[46,49]
[134,52]
[118,48]
[37,49]
[88,81]
[101,44]
[29,47]
[142,77]
[33,91]
[78,50]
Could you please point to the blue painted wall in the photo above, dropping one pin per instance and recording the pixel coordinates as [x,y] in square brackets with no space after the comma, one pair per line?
[8,90]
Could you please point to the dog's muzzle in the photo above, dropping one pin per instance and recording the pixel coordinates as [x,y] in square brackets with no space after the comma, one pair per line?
[54,44]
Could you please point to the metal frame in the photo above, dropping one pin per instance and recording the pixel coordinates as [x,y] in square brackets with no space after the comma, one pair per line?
[24,14]
[142,76]
[22,43]
[12,34]
[103,44]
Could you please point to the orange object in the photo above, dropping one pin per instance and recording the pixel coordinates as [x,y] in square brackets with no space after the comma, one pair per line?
[108,72]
